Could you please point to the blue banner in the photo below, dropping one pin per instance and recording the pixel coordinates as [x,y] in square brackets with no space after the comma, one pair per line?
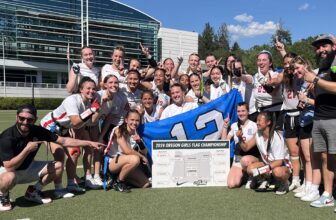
[202,123]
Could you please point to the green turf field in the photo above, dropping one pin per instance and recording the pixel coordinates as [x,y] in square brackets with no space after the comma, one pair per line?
[179,203]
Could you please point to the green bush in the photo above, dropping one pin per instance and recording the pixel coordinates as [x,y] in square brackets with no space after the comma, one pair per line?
[11,103]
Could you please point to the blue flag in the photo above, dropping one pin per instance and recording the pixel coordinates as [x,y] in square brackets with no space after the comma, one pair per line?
[203,123]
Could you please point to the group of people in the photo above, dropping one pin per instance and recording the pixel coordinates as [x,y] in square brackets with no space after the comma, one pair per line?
[284,117]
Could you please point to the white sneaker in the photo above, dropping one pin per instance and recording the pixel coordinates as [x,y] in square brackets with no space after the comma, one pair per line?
[75,188]
[301,194]
[324,201]
[91,184]
[311,196]
[294,185]
[62,193]
[98,181]
[299,189]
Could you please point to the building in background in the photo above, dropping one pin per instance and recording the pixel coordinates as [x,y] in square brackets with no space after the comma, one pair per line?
[173,43]
[35,35]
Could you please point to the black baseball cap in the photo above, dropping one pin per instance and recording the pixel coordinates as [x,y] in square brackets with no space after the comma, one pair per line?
[27,108]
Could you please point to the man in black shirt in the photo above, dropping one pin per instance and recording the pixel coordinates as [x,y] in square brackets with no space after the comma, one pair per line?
[324,126]
[18,147]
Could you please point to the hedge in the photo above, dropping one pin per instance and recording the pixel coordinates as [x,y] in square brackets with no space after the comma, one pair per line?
[11,103]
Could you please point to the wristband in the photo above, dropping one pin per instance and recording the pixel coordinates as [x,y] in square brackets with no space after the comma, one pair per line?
[316,79]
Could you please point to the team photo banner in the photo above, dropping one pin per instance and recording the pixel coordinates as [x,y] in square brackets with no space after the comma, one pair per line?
[202,123]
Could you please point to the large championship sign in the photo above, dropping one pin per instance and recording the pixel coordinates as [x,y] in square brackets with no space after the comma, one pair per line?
[190,163]
[202,123]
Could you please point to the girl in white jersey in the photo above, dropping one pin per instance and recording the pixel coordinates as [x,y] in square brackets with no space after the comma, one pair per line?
[219,87]
[128,154]
[162,100]
[131,88]
[75,111]
[268,97]
[273,153]
[86,68]
[149,111]
[195,94]
[246,130]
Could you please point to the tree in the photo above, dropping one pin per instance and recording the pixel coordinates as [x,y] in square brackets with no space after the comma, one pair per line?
[237,50]
[283,34]
[206,41]
[222,42]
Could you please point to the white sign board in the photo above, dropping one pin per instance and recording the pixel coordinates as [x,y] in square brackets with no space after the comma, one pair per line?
[190,163]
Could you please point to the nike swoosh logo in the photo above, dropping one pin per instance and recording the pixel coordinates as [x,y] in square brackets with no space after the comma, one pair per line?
[181,183]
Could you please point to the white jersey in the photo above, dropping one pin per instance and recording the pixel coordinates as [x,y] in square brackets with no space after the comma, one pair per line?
[173,109]
[108,70]
[154,116]
[276,151]
[132,97]
[72,105]
[93,73]
[240,85]
[113,148]
[191,93]
[163,99]
[290,96]
[249,130]
[117,107]
[216,92]
[264,98]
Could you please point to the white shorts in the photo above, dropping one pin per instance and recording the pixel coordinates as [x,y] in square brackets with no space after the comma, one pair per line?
[31,174]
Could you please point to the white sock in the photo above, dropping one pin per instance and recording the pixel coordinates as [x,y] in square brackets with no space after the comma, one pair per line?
[88,177]
[58,186]
[326,194]
[296,179]
[96,176]
[314,187]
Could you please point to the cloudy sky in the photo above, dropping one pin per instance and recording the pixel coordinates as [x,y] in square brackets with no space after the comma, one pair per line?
[249,22]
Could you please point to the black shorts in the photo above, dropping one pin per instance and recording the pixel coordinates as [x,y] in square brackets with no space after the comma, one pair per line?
[292,127]
[306,132]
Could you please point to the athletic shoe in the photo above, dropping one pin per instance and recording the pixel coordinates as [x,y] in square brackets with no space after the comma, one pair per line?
[323,201]
[301,194]
[120,186]
[91,184]
[311,196]
[248,184]
[299,189]
[37,196]
[282,189]
[263,186]
[294,185]
[5,204]
[73,187]
[99,181]
[62,193]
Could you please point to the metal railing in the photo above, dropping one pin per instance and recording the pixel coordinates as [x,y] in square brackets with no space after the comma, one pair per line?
[36,85]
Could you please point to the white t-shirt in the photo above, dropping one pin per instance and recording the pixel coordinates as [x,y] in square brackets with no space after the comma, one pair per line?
[249,130]
[277,150]
[163,99]
[216,92]
[154,116]
[264,98]
[191,93]
[108,70]
[290,96]
[114,148]
[173,109]
[93,73]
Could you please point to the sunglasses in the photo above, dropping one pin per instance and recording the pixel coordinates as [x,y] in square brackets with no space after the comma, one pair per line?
[29,120]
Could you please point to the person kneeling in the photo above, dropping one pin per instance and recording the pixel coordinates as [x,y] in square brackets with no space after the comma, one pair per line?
[128,155]
[273,153]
